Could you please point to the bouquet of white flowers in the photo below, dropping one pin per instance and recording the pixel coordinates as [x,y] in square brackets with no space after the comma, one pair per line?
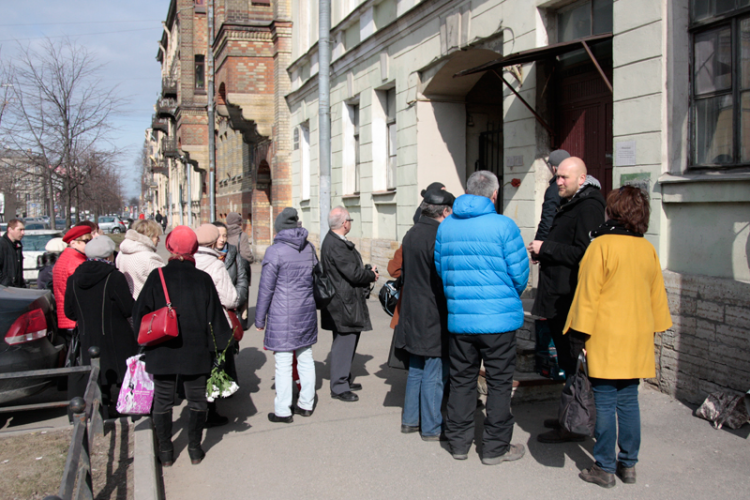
[219,384]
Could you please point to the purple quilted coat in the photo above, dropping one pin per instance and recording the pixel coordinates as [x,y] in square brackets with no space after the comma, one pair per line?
[286,307]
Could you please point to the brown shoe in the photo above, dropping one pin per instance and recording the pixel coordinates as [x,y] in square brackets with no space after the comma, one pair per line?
[559,436]
[597,476]
[626,474]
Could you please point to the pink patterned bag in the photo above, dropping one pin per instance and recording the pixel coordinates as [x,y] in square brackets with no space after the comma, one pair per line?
[137,391]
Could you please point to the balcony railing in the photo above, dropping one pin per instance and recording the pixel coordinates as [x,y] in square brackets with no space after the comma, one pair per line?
[166,107]
[169,148]
[160,124]
[169,87]
[160,167]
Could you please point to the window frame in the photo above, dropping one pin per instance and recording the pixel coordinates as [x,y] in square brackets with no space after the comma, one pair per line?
[731,19]
[195,72]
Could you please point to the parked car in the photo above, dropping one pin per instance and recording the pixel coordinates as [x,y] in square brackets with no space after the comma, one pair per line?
[111,224]
[34,242]
[29,328]
[33,226]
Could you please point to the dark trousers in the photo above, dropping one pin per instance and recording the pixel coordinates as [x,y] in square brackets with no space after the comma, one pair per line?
[466,352]
[166,385]
[343,348]
[562,343]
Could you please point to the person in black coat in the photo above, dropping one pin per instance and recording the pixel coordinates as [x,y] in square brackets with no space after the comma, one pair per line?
[347,314]
[11,255]
[97,297]
[581,211]
[199,311]
[422,328]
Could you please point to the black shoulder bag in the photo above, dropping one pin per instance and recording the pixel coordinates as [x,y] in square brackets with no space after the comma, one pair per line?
[323,290]
[577,412]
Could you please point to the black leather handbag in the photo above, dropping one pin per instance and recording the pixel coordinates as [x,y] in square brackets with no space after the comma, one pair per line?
[577,412]
[323,290]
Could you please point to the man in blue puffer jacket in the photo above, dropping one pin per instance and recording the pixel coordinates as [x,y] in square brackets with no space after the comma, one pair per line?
[483,263]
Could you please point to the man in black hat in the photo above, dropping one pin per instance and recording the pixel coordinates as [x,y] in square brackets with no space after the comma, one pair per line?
[422,329]
[435,186]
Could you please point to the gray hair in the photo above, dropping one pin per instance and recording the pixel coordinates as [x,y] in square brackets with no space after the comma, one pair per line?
[482,183]
[337,217]
[432,211]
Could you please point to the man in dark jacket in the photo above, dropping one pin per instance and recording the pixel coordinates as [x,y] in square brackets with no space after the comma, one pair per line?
[11,255]
[422,329]
[581,211]
[346,315]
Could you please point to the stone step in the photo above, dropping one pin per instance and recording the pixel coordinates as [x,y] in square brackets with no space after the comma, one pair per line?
[525,356]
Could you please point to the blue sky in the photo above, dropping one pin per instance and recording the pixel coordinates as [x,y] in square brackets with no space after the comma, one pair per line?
[121,35]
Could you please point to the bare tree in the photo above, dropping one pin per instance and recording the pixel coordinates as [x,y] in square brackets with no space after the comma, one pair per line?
[60,116]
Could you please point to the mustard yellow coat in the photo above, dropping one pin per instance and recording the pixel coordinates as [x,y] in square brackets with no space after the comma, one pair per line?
[620,302]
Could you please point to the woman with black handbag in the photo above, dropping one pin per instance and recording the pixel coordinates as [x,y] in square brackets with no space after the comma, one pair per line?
[619,304]
[199,316]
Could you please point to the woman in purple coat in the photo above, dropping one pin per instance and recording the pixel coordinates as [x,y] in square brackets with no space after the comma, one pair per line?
[286,309]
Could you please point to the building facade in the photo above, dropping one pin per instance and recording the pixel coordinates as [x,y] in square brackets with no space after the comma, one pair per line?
[646,92]
[250,52]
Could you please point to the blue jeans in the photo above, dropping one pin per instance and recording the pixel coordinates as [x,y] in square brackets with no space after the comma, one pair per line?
[618,420]
[424,391]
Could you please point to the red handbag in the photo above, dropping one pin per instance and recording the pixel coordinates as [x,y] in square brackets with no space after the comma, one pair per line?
[160,325]
[237,329]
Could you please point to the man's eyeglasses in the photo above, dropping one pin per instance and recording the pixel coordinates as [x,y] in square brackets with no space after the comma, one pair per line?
[349,220]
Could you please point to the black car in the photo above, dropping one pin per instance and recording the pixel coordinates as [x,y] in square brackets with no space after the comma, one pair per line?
[28,323]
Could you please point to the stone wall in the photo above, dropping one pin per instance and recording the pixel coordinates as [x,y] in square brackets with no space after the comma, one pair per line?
[708,347]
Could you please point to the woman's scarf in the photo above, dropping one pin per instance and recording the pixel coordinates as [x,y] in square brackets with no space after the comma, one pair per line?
[106,261]
[613,226]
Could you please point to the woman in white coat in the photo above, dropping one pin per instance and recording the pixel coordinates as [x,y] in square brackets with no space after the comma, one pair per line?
[207,259]
[137,256]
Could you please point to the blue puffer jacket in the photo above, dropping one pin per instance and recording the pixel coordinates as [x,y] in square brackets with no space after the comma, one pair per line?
[286,293]
[482,260]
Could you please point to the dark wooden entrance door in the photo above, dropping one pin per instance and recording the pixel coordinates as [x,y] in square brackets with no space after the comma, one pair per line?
[584,123]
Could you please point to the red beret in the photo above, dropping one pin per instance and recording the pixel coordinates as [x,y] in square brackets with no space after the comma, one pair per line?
[182,241]
[76,232]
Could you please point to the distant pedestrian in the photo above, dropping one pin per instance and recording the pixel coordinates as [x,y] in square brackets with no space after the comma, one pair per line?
[481,259]
[53,249]
[95,230]
[189,355]
[97,297]
[11,255]
[137,256]
[237,267]
[286,310]
[619,304]
[159,217]
[422,328]
[346,315]
[237,237]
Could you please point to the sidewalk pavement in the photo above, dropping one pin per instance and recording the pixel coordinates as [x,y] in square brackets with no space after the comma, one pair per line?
[356,450]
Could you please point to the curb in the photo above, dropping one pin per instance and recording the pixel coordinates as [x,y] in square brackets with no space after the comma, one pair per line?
[145,481]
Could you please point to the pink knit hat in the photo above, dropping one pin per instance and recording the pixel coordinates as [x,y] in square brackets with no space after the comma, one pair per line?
[207,234]
[182,241]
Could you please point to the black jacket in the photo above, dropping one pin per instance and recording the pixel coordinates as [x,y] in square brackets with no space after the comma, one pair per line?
[563,250]
[97,297]
[347,312]
[11,262]
[549,209]
[198,307]
[423,322]
[239,270]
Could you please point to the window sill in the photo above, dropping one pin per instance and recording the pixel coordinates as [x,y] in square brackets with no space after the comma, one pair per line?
[387,197]
[350,200]
[305,204]
[708,187]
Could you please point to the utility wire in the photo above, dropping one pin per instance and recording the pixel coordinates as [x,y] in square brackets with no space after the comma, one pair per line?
[79,34]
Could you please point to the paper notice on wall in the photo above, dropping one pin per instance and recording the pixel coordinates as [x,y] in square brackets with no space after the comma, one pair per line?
[625,153]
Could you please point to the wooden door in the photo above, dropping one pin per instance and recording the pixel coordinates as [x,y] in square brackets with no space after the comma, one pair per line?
[584,123]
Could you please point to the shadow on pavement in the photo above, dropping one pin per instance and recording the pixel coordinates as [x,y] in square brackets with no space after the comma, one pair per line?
[396,379]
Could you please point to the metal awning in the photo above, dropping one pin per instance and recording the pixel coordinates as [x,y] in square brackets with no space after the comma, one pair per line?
[532,55]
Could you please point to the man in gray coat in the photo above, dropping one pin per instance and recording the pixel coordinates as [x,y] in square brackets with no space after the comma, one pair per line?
[346,315]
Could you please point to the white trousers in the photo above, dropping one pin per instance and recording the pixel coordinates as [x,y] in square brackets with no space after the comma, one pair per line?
[306,371]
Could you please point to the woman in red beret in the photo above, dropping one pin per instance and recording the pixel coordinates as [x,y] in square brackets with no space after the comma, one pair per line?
[199,312]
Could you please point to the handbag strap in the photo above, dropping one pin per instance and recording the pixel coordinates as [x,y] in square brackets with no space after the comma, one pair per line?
[164,286]
[582,364]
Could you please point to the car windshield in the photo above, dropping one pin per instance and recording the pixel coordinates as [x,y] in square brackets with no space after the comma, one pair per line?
[36,242]
[35,226]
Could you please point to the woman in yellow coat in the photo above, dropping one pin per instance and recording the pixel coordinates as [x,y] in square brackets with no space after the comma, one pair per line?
[619,304]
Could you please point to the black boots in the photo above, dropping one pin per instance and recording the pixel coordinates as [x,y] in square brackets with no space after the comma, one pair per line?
[163,430]
[197,420]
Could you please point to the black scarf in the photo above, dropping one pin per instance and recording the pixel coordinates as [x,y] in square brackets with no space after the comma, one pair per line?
[613,226]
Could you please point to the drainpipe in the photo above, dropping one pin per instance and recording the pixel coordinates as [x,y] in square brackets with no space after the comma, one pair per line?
[184,160]
[211,124]
[324,114]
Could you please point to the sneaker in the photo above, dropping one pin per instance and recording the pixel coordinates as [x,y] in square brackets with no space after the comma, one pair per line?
[596,475]
[280,420]
[460,456]
[559,436]
[626,474]
[436,437]
[408,429]
[515,452]
[302,412]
